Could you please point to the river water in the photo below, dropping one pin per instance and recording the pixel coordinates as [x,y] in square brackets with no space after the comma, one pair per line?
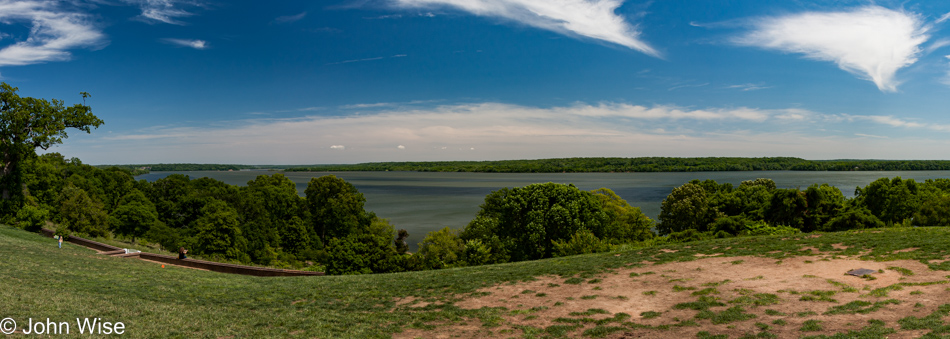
[421,202]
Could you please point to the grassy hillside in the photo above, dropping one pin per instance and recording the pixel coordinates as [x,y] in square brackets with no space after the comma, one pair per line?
[41,281]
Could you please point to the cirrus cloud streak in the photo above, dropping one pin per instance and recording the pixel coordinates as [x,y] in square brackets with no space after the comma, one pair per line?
[594,19]
[53,32]
[872,42]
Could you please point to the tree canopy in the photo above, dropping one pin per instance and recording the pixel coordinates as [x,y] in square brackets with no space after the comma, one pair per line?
[27,124]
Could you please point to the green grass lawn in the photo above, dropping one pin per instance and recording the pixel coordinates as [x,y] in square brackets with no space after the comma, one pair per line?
[39,281]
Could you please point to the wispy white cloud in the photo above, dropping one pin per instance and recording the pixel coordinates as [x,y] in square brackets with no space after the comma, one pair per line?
[687,86]
[165,11]
[943,18]
[290,18]
[53,32]
[872,42]
[385,104]
[940,43]
[365,59]
[892,121]
[388,16]
[748,87]
[196,44]
[361,106]
[593,19]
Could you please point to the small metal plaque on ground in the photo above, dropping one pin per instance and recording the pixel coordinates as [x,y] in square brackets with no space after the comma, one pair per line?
[861,272]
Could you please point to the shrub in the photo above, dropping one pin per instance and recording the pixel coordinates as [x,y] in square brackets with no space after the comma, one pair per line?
[729,224]
[476,253]
[32,218]
[440,249]
[853,218]
[582,242]
[762,228]
[687,236]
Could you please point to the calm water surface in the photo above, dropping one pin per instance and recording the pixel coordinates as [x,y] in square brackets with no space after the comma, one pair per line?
[422,202]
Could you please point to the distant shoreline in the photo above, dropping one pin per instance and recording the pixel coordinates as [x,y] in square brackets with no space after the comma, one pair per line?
[578,165]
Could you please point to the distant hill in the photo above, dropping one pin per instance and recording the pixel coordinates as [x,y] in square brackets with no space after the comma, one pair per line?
[651,164]
[580,165]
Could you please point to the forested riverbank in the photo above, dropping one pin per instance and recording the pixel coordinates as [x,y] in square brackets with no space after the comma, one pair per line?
[583,165]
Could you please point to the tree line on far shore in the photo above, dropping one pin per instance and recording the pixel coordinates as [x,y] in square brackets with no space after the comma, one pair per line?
[580,165]
[645,164]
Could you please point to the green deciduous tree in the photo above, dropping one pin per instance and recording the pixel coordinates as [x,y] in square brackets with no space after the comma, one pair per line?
[219,232]
[934,212]
[823,203]
[891,201]
[336,207]
[82,214]
[854,217]
[27,124]
[367,250]
[687,207]
[750,199]
[522,223]
[32,218]
[626,223]
[787,207]
[134,216]
[441,249]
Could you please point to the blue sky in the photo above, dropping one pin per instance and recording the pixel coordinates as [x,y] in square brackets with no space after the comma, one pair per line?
[347,81]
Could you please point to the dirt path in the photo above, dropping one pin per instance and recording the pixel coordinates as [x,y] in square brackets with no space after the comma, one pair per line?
[734,296]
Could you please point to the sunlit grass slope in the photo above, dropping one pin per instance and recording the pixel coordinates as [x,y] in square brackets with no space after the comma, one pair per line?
[39,281]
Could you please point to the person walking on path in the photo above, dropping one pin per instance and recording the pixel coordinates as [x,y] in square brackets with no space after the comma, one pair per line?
[181,253]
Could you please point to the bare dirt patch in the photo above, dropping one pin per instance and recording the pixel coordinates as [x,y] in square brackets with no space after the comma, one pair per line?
[762,294]
[907,250]
[840,246]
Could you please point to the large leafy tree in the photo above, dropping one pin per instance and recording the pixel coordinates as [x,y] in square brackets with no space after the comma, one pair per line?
[787,207]
[219,232]
[824,203]
[892,201]
[272,203]
[368,249]
[336,207]
[523,223]
[687,207]
[134,216]
[27,124]
[82,214]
